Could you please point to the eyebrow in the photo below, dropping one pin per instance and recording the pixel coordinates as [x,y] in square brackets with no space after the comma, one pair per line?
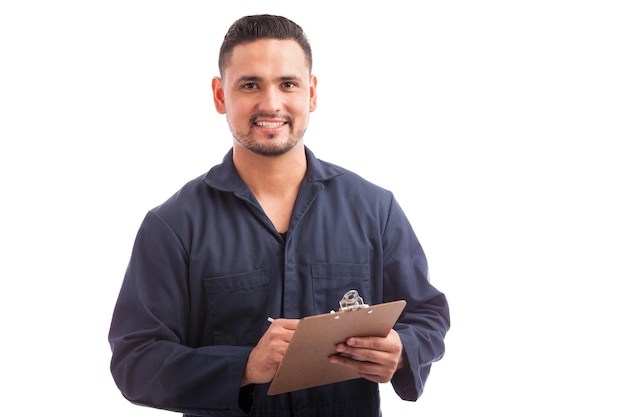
[254,78]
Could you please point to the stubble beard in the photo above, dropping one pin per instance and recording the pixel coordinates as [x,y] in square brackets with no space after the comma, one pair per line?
[272,149]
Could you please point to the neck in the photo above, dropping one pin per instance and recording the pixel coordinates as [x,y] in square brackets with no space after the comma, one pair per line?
[275,175]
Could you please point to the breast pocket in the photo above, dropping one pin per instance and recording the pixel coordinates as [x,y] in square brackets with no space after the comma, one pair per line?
[332,281]
[237,306]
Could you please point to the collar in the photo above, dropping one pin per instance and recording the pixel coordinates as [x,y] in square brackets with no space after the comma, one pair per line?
[224,176]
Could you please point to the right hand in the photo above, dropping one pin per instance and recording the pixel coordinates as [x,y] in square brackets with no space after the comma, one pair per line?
[269,352]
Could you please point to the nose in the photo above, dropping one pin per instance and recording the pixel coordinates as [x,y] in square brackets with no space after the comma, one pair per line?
[270,100]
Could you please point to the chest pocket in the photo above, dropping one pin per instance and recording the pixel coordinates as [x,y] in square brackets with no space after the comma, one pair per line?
[332,281]
[237,307]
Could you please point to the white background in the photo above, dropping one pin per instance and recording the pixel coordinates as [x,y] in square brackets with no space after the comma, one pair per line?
[499,125]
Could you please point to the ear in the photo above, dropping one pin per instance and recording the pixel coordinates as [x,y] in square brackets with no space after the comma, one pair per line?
[218,95]
[313,93]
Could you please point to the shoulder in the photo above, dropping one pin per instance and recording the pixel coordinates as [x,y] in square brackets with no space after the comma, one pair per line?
[349,181]
[187,197]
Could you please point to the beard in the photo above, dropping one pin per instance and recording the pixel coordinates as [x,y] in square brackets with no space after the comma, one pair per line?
[272,148]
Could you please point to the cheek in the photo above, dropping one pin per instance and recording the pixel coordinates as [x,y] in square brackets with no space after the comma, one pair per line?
[302,106]
[237,110]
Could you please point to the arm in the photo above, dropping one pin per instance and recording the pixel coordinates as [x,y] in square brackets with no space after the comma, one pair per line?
[405,355]
[155,361]
[424,323]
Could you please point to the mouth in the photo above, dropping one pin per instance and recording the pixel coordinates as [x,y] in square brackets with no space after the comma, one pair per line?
[270,124]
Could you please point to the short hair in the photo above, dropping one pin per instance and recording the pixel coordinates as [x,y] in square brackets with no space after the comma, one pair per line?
[262,26]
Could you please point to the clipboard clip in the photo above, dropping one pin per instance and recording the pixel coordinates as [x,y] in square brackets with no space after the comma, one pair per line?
[352,301]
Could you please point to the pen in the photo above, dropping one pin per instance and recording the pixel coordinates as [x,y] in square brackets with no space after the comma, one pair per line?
[271,320]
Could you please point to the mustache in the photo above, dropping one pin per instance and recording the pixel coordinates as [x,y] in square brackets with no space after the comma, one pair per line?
[276,116]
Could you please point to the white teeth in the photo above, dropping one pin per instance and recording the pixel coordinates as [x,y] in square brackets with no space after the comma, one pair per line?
[271,125]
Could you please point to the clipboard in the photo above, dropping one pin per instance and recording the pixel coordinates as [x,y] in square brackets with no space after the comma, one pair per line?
[306,363]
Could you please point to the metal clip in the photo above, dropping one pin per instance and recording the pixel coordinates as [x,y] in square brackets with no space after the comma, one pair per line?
[352,301]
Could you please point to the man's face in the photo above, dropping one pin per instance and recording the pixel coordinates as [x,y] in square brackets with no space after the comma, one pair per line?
[267,94]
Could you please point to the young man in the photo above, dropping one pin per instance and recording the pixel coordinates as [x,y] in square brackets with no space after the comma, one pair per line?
[271,231]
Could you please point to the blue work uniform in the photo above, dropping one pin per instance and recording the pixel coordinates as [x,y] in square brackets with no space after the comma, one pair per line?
[208,267]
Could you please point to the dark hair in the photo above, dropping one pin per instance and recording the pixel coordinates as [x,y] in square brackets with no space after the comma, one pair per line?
[262,26]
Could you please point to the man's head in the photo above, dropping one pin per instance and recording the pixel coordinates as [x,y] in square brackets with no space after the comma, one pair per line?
[265,88]
[252,28]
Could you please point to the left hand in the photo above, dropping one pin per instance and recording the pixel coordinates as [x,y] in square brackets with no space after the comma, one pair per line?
[373,358]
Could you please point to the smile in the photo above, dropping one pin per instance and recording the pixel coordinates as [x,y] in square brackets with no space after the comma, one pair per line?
[270,125]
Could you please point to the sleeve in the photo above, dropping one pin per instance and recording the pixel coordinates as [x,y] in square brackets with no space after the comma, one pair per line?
[151,364]
[426,318]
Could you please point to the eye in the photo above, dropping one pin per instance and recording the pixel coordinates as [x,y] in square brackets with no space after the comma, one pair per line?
[288,85]
[249,86]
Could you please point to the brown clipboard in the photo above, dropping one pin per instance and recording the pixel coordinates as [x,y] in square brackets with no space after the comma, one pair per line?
[306,362]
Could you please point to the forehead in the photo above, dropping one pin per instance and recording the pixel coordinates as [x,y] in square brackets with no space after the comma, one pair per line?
[267,55]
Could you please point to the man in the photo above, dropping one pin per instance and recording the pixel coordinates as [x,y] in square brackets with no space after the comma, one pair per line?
[271,231]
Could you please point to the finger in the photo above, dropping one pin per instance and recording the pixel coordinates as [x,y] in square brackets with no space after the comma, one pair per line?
[388,359]
[367,355]
[280,331]
[390,343]
[368,370]
[373,343]
[289,324]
